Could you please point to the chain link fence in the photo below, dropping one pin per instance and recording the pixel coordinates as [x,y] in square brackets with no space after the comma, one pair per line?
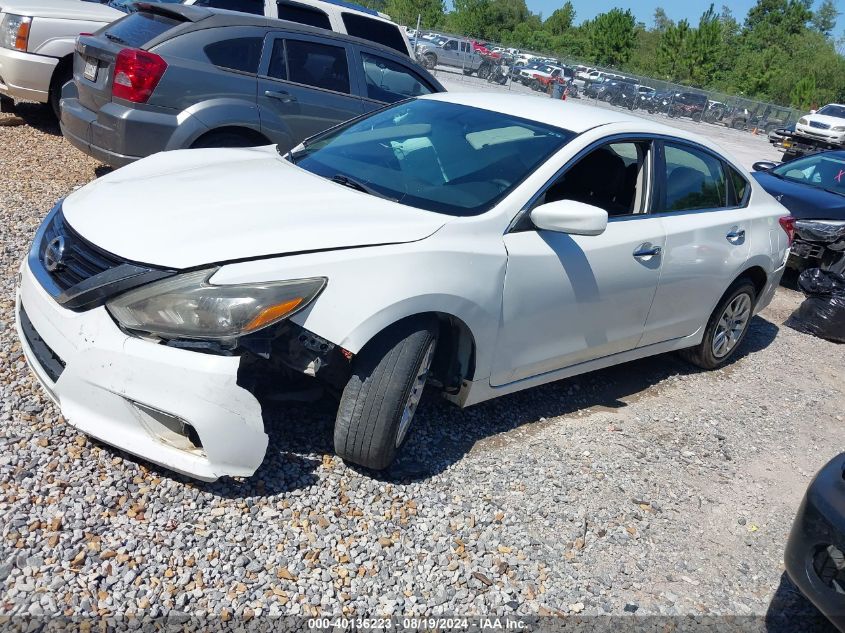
[614,87]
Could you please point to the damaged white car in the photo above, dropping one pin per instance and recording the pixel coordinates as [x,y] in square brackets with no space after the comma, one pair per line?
[480,244]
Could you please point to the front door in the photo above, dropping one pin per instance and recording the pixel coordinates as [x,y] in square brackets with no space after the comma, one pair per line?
[305,87]
[568,298]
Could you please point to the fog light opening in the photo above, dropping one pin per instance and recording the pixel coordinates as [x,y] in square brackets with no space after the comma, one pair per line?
[829,565]
[168,428]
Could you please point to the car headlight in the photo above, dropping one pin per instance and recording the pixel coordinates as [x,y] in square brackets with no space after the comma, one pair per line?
[838,128]
[14,31]
[803,121]
[188,306]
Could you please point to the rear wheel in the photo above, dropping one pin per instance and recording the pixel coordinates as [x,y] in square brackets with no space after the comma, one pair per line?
[229,138]
[726,328]
[381,397]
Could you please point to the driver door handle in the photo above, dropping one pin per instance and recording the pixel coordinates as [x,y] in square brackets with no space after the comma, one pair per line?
[281,95]
[647,250]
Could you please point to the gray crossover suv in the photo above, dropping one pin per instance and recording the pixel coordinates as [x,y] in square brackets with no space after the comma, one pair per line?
[176,77]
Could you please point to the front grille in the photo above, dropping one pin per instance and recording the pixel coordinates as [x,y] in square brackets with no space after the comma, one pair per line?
[81,260]
[78,274]
[46,358]
[819,125]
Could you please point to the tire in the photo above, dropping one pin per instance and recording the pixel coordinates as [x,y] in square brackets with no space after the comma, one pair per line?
[467,71]
[703,355]
[227,138]
[429,61]
[385,380]
[483,71]
[62,75]
[738,124]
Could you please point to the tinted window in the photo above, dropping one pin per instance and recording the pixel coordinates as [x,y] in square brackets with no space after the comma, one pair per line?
[435,155]
[256,7]
[694,180]
[304,15]
[137,29]
[388,81]
[318,65]
[740,186]
[278,68]
[242,53]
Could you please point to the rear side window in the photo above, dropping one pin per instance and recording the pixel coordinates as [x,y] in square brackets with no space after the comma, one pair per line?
[694,180]
[137,29]
[389,81]
[241,53]
[302,14]
[255,7]
[318,65]
[375,30]
[740,187]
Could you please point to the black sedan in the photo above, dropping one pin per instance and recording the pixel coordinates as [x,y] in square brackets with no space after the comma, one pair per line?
[813,189]
[815,552]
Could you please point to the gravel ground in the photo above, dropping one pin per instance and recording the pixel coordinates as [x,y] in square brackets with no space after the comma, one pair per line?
[651,488]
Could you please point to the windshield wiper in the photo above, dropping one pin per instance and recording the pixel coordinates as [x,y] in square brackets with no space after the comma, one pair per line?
[346,181]
[837,192]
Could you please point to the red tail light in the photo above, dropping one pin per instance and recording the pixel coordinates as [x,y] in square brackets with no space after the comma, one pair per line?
[136,74]
[787,223]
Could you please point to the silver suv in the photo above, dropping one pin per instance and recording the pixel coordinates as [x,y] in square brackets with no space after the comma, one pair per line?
[176,77]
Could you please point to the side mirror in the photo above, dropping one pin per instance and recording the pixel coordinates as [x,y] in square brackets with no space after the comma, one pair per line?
[569,216]
[763,165]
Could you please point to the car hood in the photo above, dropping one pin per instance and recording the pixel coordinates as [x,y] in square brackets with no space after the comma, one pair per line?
[61,9]
[803,201]
[189,208]
[823,118]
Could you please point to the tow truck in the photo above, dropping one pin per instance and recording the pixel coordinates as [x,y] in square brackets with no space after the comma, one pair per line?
[818,131]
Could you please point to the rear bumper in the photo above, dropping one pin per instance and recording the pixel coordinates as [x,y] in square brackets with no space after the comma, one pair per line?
[25,75]
[119,389]
[820,523]
[116,134]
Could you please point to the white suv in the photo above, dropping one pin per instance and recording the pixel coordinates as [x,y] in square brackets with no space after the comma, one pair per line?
[481,243]
[333,15]
[37,42]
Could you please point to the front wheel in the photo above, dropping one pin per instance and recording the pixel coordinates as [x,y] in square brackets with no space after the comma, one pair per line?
[381,397]
[429,61]
[726,328]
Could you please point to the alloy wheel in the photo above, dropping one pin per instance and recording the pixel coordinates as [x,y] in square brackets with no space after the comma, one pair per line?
[731,325]
[415,394]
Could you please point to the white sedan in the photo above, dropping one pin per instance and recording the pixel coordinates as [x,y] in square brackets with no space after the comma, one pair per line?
[482,244]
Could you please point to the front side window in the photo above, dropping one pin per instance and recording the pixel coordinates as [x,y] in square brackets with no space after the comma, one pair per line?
[451,45]
[693,180]
[389,81]
[377,31]
[611,177]
[318,65]
[435,155]
[302,14]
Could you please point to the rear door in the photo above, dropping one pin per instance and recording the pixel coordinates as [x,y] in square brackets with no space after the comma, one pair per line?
[708,238]
[305,85]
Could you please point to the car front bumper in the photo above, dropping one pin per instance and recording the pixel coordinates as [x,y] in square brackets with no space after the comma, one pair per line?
[25,75]
[818,532]
[836,138]
[133,393]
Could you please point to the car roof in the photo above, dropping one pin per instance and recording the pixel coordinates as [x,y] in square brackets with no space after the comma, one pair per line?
[210,17]
[62,9]
[568,115]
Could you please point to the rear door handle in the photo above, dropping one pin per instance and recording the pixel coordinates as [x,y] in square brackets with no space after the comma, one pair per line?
[736,236]
[281,95]
[647,250]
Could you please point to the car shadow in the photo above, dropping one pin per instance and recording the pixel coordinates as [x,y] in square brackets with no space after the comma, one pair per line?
[790,612]
[38,116]
[443,434]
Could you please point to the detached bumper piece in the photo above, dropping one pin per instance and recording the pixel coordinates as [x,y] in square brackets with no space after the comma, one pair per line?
[818,244]
[815,558]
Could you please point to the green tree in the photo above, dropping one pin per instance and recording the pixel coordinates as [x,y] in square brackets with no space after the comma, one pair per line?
[561,20]
[704,47]
[803,95]
[469,17]
[671,61]
[612,37]
[431,12]
[824,18]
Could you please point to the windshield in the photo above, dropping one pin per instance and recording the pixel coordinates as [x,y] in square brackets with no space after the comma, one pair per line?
[834,111]
[825,171]
[434,155]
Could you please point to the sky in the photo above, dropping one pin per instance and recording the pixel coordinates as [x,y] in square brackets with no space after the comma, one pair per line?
[643,10]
